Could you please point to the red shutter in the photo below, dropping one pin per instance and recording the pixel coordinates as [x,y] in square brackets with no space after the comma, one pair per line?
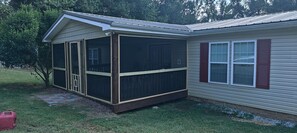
[263,63]
[204,62]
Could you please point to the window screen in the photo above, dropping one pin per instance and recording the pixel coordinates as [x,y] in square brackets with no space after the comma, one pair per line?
[133,87]
[99,86]
[59,78]
[244,63]
[144,54]
[219,62]
[58,55]
[98,54]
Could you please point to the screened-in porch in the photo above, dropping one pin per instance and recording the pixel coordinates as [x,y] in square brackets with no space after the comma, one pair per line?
[123,71]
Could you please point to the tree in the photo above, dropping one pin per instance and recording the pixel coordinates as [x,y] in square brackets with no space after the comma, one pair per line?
[235,9]
[89,6]
[5,10]
[257,7]
[21,40]
[222,11]
[282,5]
[207,11]
[16,4]
[18,37]
[173,11]
[43,64]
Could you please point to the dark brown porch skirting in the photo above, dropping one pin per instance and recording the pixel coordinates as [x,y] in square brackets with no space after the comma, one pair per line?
[119,108]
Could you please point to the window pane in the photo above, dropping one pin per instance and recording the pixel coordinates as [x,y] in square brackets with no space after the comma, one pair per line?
[59,55]
[219,52]
[244,52]
[218,73]
[145,54]
[243,74]
[98,54]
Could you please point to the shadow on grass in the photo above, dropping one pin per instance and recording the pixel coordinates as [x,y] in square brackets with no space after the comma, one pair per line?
[21,85]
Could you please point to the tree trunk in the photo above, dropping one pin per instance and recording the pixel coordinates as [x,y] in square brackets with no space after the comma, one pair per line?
[47,81]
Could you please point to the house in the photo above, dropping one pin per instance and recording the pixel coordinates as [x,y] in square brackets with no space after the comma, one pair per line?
[129,64]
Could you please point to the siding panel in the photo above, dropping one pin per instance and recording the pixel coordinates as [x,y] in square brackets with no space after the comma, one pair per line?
[74,31]
[282,95]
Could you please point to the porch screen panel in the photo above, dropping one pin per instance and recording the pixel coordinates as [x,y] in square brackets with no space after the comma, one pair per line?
[98,86]
[59,78]
[133,87]
[98,54]
[58,55]
[145,54]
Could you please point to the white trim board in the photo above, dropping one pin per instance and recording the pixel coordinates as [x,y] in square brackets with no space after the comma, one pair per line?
[65,19]
[152,72]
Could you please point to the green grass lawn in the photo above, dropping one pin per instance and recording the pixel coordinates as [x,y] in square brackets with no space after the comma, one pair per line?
[17,89]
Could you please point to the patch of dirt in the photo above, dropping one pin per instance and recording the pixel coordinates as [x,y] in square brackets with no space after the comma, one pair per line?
[241,115]
[184,106]
[92,109]
[255,111]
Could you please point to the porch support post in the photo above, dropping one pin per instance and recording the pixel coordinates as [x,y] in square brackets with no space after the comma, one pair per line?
[115,69]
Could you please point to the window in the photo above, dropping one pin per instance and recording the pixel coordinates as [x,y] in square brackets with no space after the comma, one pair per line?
[94,56]
[244,63]
[218,62]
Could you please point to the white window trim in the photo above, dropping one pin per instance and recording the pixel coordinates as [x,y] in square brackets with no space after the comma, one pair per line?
[209,62]
[255,63]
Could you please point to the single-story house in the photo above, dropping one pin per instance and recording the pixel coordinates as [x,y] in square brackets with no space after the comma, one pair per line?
[129,64]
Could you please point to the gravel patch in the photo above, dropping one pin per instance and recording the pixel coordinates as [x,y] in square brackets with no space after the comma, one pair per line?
[243,116]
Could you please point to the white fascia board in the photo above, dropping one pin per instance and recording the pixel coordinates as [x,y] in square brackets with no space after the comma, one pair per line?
[146,32]
[65,16]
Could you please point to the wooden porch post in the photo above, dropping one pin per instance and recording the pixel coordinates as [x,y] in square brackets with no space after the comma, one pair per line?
[115,69]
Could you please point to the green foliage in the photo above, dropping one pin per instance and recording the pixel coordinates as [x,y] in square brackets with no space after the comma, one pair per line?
[89,6]
[16,4]
[282,5]
[5,10]
[21,40]
[176,11]
[257,7]
[17,35]
[43,63]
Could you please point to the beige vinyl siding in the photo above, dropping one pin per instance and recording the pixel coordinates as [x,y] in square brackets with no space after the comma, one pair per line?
[75,30]
[282,95]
